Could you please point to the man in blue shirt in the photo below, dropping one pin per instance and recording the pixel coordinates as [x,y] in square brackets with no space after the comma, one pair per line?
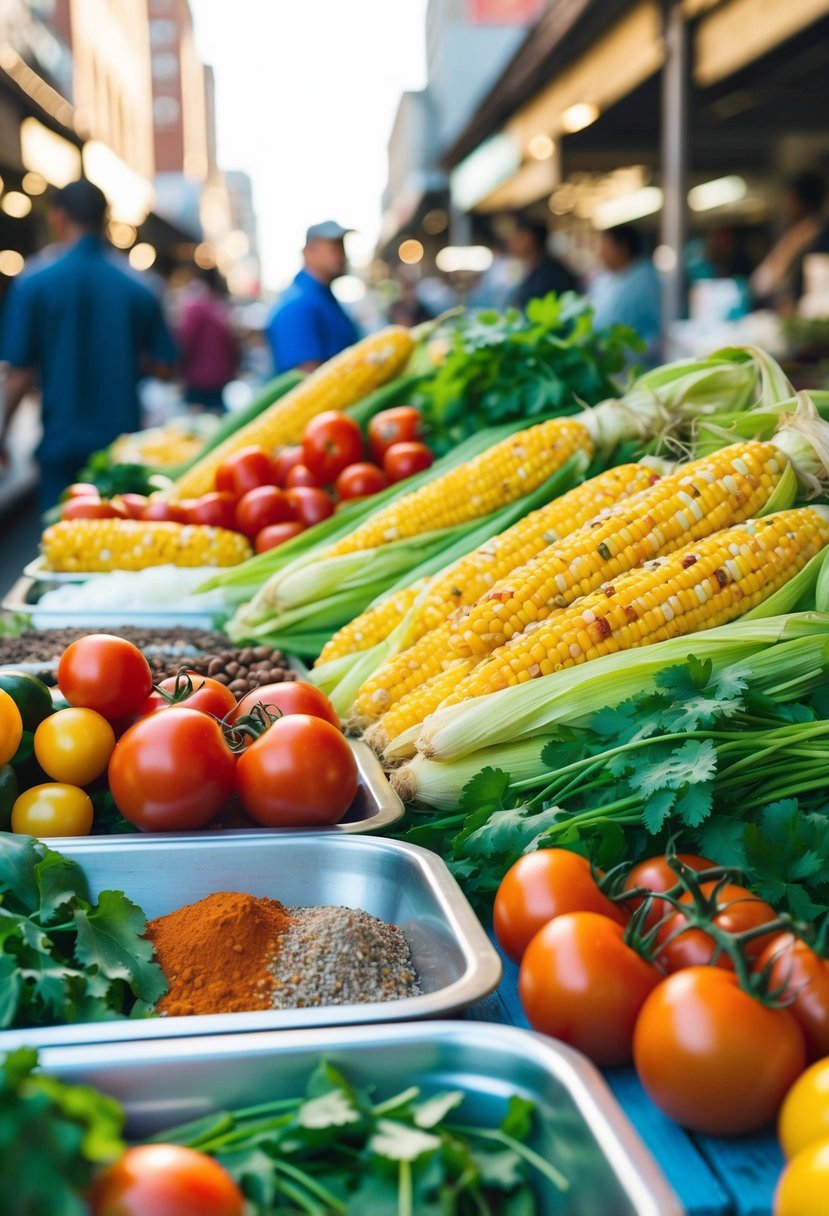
[86,330]
[308,324]
[629,290]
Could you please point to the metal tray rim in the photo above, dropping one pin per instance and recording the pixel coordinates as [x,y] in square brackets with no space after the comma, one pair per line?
[15,601]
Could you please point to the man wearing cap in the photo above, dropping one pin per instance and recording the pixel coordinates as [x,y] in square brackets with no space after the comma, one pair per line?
[308,324]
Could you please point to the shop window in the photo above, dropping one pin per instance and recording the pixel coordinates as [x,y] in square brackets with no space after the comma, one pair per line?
[166,111]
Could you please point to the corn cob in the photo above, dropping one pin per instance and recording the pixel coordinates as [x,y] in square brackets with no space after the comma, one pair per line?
[509,470]
[700,498]
[340,382]
[371,626]
[704,584]
[410,709]
[97,545]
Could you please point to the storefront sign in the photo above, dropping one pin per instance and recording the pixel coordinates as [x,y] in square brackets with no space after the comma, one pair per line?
[504,12]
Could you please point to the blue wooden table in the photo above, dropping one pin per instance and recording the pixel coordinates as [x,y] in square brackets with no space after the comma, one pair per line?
[711,1176]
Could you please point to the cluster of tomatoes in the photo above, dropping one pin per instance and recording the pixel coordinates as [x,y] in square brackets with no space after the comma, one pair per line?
[712,1052]
[172,756]
[271,499]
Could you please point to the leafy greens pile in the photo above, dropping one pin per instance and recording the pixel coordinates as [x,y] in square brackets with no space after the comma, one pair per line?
[336,1152]
[723,769]
[63,956]
[513,365]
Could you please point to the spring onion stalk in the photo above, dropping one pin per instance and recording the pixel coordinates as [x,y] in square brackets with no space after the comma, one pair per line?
[575,693]
[783,672]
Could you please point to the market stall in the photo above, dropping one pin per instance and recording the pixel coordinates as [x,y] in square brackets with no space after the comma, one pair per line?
[454,681]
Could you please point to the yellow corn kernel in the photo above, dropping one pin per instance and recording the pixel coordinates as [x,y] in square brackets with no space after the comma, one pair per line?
[372,626]
[99,545]
[420,701]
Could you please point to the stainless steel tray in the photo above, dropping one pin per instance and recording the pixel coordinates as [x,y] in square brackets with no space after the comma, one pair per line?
[401,884]
[581,1128]
[24,595]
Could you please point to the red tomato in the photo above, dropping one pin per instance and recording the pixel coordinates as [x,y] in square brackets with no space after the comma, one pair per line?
[802,977]
[261,507]
[311,505]
[331,442]
[132,505]
[301,773]
[360,480]
[740,910]
[299,475]
[165,1180]
[90,508]
[172,772]
[655,874]
[540,886]
[81,489]
[581,983]
[209,696]
[398,425]
[403,460]
[284,460]
[276,534]
[292,697]
[712,1057]
[243,470]
[105,673]
[217,509]
[163,511]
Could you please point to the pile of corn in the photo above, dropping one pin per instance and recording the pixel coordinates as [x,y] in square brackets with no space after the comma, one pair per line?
[163,447]
[100,545]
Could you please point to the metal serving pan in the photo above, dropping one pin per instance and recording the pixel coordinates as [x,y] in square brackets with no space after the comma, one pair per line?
[580,1127]
[24,596]
[400,883]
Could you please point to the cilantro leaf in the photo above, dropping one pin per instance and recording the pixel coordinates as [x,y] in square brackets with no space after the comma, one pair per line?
[332,1109]
[18,858]
[518,1120]
[509,833]
[657,809]
[433,1110]
[110,939]
[670,767]
[60,882]
[486,788]
[397,1142]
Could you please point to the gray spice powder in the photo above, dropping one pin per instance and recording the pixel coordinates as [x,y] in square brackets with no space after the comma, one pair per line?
[341,956]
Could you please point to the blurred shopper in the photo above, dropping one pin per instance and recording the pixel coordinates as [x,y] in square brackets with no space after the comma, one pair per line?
[628,290]
[84,331]
[308,324]
[778,280]
[209,353]
[541,272]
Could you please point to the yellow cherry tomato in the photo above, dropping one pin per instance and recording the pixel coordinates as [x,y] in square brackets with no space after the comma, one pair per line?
[803,1189]
[11,727]
[804,1115]
[74,745]
[53,810]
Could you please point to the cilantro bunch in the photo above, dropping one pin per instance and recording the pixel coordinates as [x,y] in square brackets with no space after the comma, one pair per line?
[514,365]
[337,1152]
[716,765]
[65,957]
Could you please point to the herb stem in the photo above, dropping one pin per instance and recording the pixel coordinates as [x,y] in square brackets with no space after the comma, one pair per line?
[405,1202]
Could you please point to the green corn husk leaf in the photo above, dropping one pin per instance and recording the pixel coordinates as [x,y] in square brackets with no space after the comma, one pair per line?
[537,706]
[784,495]
[718,430]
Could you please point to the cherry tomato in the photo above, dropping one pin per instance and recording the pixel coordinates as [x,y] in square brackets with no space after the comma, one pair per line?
[802,977]
[91,508]
[299,475]
[217,509]
[209,696]
[292,697]
[284,461]
[53,810]
[262,507]
[81,489]
[712,1057]
[171,772]
[740,910]
[277,534]
[11,727]
[398,425]
[803,1189]
[804,1115]
[540,886]
[165,1180]
[581,983]
[655,874]
[105,673]
[163,511]
[243,470]
[360,480]
[301,773]
[403,460]
[74,745]
[311,505]
[133,505]
[331,442]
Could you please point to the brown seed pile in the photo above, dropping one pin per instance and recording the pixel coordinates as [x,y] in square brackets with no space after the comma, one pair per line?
[241,670]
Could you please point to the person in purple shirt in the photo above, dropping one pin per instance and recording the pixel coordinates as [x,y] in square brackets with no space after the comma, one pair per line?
[209,353]
[308,324]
